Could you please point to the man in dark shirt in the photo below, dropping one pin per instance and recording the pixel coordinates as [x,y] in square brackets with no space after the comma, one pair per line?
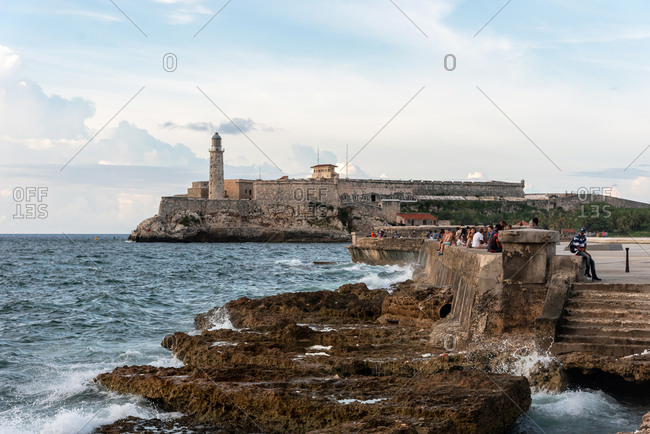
[579,247]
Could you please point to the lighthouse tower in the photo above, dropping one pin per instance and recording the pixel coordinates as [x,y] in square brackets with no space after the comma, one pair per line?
[216,186]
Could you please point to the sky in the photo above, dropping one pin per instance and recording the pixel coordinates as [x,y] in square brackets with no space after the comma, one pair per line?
[105,106]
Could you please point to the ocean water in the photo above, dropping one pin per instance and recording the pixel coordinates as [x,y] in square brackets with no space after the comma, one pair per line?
[72,307]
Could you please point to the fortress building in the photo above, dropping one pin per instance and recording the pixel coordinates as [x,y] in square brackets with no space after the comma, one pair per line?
[322,207]
[325,186]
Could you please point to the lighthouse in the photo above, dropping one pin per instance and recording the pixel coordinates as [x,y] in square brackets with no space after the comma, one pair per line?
[216,186]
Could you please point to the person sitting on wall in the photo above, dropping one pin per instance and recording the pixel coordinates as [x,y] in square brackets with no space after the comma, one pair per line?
[579,247]
[488,234]
[396,234]
[447,240]
[494,246]
[470,238]
[462,239]
[478,240]
[372,234]
[534,223]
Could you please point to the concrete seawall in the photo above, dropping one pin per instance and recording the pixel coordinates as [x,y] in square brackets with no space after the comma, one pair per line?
[521,291]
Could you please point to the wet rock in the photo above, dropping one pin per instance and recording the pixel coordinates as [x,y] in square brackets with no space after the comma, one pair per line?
[350,303]
[414,303]
[182,425]
[321,362]
[631,369]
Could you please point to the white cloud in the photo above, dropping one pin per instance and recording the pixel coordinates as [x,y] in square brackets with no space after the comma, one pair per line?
[475,175]
[27,112]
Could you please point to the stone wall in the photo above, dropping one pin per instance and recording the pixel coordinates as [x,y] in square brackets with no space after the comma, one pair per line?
[385,251]
[199,189]
[297,191]
[239,188]
[572,202]
[362,190]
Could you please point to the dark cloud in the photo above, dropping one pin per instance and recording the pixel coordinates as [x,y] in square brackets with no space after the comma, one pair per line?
[235,127]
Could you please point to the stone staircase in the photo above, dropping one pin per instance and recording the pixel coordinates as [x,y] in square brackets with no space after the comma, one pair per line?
[605,319]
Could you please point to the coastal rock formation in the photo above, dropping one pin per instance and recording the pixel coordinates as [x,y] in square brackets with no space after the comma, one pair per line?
[413,303]
[354,302]
[231,226]
[633,369]
[322,362]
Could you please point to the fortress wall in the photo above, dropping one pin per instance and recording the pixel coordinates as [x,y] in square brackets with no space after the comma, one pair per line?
[297,191]
[361,190]
[171,205]
[575,201]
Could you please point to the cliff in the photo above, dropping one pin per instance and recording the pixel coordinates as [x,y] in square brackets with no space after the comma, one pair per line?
[186,219]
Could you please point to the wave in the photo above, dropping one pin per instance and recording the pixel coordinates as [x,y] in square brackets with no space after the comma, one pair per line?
[220,319]
[82,420]
[596,411]
[387,276]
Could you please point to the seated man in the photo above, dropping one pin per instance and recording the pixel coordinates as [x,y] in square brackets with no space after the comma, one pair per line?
[579,247]
[478,240]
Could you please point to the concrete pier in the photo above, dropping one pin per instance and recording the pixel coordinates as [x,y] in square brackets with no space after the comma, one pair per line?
[534,288]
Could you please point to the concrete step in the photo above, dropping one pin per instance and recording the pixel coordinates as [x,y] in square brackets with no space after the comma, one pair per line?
[598,295]
[640,322]
[603,339]
[641,315]
[607,304]
[592,332]
[617,287]
[616,350]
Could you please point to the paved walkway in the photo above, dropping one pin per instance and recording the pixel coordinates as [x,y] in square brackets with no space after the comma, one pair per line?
[610,265]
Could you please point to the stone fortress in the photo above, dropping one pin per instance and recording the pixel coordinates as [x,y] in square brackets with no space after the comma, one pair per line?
[323,207]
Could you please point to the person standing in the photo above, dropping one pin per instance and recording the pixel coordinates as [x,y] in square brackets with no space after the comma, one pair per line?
[579,247]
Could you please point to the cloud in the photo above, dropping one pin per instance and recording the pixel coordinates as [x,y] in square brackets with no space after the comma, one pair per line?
[245,125]
[615,173]
[475,175]
[307,156]
[194,126]
[129,145]
[92,15]
[28,112]
[184,11]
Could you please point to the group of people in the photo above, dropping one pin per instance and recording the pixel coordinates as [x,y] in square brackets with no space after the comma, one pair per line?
[484,237]
[487,237]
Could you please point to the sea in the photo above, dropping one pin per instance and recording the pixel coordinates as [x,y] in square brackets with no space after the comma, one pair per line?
[74,306]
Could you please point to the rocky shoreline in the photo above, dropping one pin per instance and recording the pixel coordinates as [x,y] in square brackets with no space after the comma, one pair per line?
[192,228]
[348,360]
[457,349]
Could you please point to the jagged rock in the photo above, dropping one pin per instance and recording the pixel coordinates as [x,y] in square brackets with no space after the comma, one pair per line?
[181,425]
[350,303]
[632,369]
[455,401]
[414,303]
[344,372]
